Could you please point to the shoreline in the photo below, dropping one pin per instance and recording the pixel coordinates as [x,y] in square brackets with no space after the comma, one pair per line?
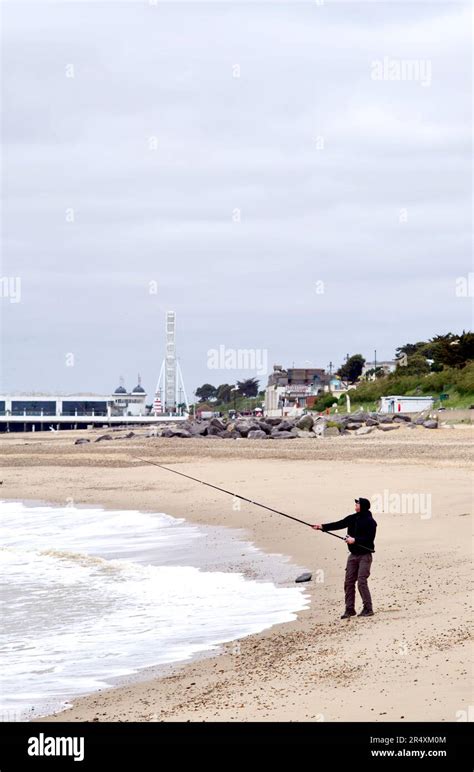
[316,667]
[231,553]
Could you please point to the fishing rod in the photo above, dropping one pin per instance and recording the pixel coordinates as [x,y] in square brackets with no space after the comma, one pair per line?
[243,498]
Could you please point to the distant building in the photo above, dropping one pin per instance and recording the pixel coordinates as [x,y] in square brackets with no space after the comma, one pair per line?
[388,366]
[403,404]
[337,386]
[205,410]
[53,404]
[288,390]
[129,403]
[120,403]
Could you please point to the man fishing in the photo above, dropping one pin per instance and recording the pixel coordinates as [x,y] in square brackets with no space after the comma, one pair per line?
[361,528]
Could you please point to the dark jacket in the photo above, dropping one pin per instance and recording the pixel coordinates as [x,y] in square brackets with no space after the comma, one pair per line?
[361,526]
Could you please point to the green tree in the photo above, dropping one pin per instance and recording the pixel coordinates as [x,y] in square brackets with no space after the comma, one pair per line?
[324,401]
[205,392]
[248,388]
[379,372]
[352,369]
[451,350]
[224,392]
[416,365]
[409,349]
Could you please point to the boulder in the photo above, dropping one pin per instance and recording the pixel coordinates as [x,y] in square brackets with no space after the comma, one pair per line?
[273,421]
[371,422]
[388,427]
[81,441]
[214,431]
[129,435]
[338,419]
[331,431]
[363,431]
[359,416]
[285,426]
[265,427]
[257,434]
[244,427]
[305,423]
[430,424]
[344,423]
[318,429]
[385,418]
[283,435]
[353,426]
[216,423]
[176,432]
[305,435]
[400,417]
[200,428]
[104,437]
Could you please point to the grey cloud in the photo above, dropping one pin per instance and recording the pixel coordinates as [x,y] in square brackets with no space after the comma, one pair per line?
[226,143]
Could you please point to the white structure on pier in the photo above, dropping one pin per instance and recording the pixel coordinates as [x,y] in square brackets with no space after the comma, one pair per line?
[170,390]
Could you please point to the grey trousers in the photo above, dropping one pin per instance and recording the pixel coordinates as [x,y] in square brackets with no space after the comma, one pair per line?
[358,570]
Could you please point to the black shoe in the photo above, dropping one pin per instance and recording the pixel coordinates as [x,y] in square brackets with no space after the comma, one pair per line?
[366,612]
[348,613]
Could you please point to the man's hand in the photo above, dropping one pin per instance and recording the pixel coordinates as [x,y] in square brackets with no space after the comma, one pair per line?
[317,527]
[349,539]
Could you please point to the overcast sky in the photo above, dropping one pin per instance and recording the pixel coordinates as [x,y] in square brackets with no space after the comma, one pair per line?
[136,136]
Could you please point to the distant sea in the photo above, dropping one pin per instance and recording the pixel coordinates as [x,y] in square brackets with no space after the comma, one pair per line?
[90,596]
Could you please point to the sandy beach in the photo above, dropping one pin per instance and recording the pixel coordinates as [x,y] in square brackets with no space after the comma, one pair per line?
[411,661]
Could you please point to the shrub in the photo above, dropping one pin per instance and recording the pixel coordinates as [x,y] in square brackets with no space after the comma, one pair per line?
[324,401]
[465,379]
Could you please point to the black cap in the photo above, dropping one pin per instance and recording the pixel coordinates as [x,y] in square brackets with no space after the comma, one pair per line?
[364,504]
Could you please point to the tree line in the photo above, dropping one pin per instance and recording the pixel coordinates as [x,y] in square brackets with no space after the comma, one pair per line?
[432,356]
[225,392]
[442,352]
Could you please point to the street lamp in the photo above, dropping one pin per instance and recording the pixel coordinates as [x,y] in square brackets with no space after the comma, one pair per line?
[235,390]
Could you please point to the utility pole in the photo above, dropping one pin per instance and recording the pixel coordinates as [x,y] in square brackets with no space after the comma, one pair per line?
[330,365]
